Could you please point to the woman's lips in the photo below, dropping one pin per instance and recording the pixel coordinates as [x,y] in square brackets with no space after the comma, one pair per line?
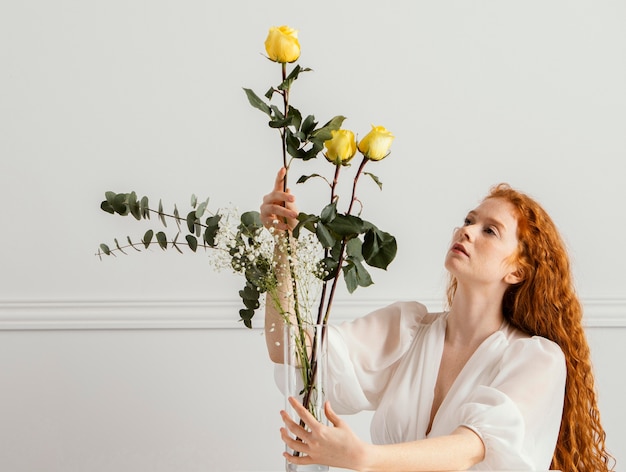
[459,248]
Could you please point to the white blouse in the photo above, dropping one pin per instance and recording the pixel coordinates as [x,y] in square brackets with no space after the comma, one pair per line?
[510,392]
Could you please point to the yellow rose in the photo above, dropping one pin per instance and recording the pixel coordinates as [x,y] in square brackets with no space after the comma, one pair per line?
[376,144]
[341,147]
[282,44]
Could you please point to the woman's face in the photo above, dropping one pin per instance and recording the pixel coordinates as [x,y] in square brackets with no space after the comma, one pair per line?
[484,249]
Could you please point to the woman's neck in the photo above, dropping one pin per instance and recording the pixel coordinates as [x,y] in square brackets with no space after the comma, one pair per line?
[473,317]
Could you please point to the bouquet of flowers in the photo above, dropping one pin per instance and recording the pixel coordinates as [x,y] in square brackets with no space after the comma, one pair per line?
[323,248]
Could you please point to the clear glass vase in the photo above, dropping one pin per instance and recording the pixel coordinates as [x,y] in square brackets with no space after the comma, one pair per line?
[306,356]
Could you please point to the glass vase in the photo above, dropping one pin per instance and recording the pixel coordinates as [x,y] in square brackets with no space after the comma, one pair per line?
[306,356]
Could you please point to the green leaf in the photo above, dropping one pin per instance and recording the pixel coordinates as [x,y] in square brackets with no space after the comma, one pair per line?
[324,133]
[355,275]
[249,292]
[281,123]
[337,249]
[347,226]
[308,125]
[161,215]
[293,75]
[305,221]
[119,204]
[363,277]
[117,244]
[145,208]
[202,208]
[353,249]
[270,93]
[350,277]
[296,117]
[191,221]
[293,143]
[110,196]
[324,236]
[194,200]
[277,113]
[177,217]
[174,245]
[105,249]
[106,206]
[379,248]
[246,317]
[329,213]
[250,223]
[212,227]
[132,244]
[147,238]
[256,102]
[250,297]
[162,240]
[304,178]
[375,179]
[313,151]
[192,242]
[133,205]
[328,265]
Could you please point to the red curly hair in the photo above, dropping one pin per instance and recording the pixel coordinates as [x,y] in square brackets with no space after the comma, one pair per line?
[545,304]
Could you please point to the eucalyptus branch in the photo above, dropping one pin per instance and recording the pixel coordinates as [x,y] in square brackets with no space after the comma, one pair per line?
[163,244]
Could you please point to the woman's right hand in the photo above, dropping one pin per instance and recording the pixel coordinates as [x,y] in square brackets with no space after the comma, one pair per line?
[278,209]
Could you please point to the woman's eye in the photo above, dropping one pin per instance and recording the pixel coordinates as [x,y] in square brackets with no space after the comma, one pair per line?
[490,230]
[467,222]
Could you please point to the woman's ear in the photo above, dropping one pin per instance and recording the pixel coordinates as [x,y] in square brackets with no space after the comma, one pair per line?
[514,277]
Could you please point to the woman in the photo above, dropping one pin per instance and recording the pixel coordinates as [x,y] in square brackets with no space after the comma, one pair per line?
[500,381]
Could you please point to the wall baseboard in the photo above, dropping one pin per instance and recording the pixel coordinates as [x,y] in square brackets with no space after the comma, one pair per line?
[210,314]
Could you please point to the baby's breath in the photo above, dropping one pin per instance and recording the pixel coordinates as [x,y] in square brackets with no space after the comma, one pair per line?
[246,255]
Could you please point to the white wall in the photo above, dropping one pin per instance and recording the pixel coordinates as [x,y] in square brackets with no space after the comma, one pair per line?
[138,363]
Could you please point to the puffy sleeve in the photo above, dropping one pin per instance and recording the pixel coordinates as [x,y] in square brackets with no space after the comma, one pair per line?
[364,353]
[518,415]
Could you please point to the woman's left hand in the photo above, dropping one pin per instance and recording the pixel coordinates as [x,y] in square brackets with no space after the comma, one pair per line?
[335,446]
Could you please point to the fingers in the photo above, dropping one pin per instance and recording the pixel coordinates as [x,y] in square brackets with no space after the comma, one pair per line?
[303,413]
[298,440]
[331,415]
[299,460]
[279,183]
[274,214]
[294,427]
[278,209]
[280,198]
[312,442]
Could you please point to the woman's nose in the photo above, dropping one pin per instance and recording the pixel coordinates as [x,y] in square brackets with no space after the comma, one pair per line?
[465,233]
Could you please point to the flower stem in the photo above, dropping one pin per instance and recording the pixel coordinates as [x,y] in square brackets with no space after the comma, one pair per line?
[324,321]
[356,178]
[283,133]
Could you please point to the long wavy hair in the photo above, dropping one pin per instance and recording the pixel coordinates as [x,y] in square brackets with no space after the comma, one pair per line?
[545,304]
